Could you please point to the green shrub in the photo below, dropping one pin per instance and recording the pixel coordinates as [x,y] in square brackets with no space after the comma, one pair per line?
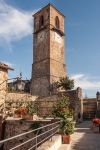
[67,127]
[63,111]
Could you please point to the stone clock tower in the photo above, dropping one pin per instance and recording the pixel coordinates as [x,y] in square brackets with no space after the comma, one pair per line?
[48,50]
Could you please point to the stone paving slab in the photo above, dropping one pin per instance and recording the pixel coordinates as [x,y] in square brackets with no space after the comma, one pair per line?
[65,147]
[51,144]
[84,138]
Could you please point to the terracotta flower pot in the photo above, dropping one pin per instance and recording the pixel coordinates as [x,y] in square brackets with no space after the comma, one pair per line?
[66,139]
[17,115]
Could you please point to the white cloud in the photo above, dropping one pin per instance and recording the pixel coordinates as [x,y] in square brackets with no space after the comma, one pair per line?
[14,23]
[86,82]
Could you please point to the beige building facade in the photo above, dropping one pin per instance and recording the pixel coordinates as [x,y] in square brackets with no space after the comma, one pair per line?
[3,82]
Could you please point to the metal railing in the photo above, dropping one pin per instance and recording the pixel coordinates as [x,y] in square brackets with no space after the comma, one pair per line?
[36,139]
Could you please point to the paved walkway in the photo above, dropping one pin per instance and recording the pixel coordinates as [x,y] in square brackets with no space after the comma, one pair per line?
[84,138]
[65,147]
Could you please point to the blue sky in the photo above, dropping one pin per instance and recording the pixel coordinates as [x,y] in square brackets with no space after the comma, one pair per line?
[82,40]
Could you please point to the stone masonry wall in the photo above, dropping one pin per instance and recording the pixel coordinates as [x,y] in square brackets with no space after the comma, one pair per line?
[98,106]
[15,127]
[3,84]
[13,100]
[15,97]
[45,105]
[76,101]
[89,108]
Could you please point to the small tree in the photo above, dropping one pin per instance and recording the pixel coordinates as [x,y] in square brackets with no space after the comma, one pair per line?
[63,111]
[65,83]
[62,108]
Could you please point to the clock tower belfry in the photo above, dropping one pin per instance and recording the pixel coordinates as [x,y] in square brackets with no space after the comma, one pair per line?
[48,50]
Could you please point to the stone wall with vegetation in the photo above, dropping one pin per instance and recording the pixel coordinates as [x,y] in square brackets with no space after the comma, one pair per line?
[45,105]
[13,100]
[76,102]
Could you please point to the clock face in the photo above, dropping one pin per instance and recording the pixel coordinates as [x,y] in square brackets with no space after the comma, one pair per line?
[41,36]
[57,38]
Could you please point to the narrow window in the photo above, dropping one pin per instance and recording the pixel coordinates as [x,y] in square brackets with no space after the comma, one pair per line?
[57,22]
[41,23]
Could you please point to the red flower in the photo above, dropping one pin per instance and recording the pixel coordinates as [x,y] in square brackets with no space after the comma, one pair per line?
[17,111]
[96,120]
[62,110]
[23,110]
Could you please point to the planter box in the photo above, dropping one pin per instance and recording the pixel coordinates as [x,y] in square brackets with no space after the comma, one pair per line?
[29,117]
[32,117]
[17,115]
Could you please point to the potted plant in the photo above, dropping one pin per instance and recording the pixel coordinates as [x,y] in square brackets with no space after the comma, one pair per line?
[67,128]
[64,112]
[31,111]
[23,111]
[17,113]
[62,109]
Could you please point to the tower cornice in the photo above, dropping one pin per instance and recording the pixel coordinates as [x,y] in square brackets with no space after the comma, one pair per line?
[47,7]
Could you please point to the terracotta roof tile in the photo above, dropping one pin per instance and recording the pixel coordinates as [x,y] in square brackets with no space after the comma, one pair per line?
[4,66]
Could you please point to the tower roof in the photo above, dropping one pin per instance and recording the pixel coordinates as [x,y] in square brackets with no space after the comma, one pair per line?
[46,7]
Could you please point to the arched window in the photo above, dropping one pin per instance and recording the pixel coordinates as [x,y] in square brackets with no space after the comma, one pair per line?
[41,23]
[57,22]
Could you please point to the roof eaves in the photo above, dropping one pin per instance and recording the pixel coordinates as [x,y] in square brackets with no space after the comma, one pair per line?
[4,66]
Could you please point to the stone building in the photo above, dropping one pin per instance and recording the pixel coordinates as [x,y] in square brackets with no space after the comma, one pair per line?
[3,82]
[19,85]
[89,108]
[48,50]
[48,65]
